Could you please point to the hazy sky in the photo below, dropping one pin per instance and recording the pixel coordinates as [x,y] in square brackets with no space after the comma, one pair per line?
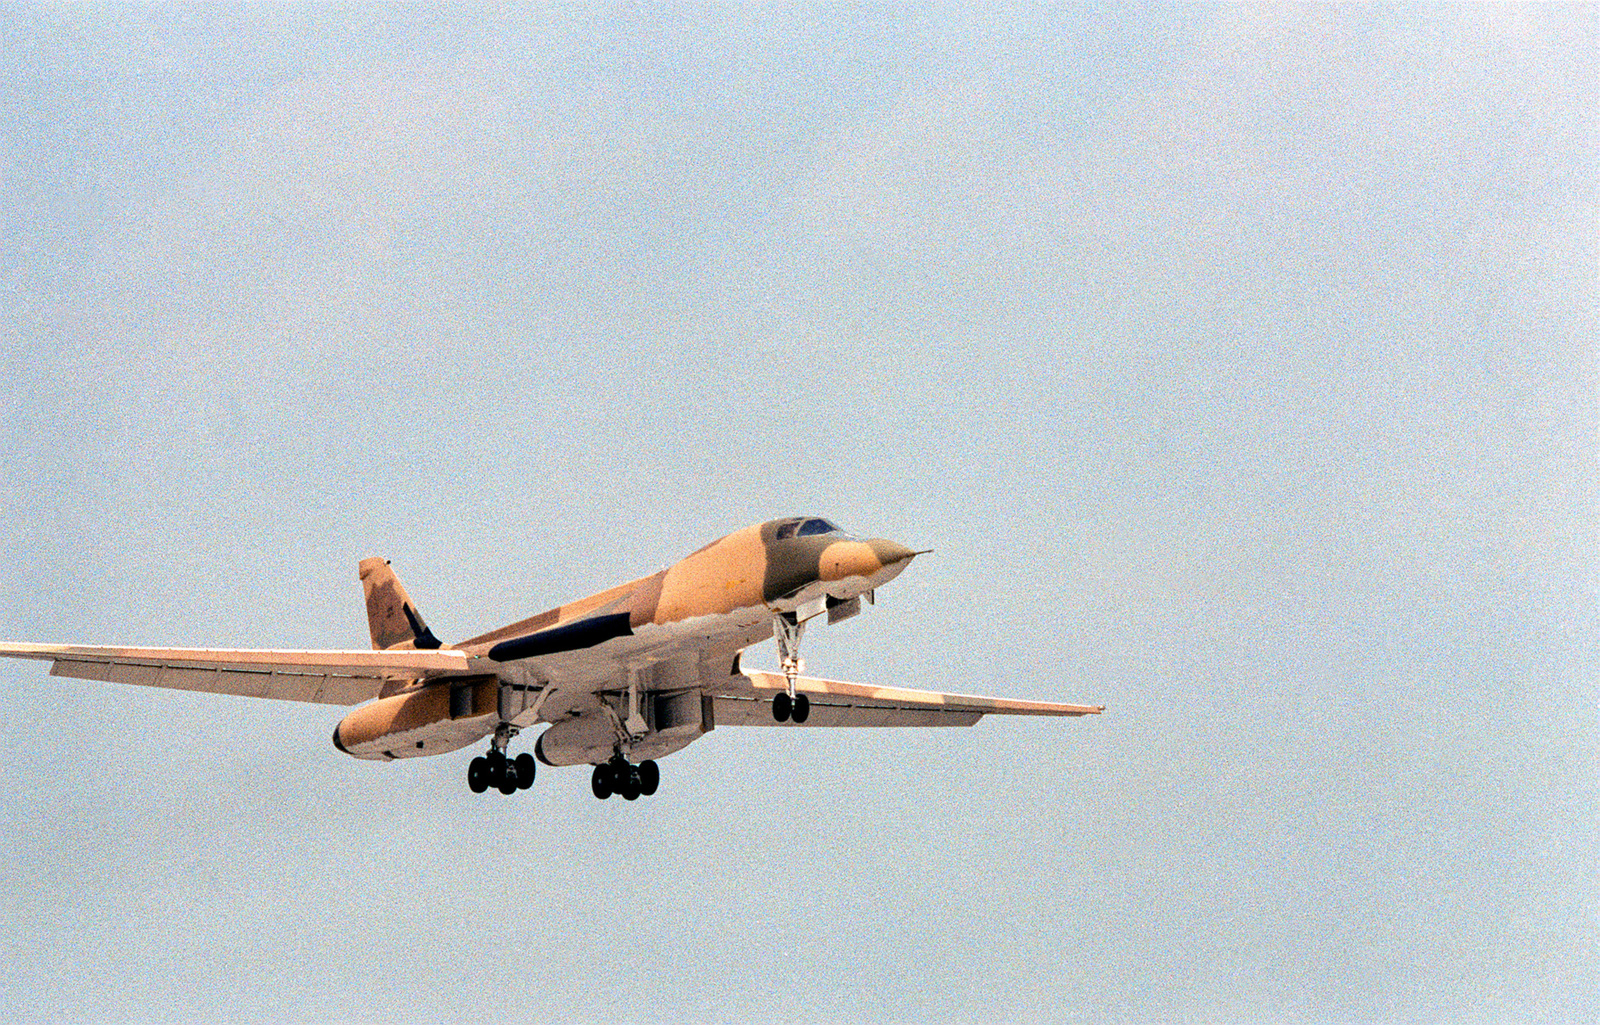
[1238,363]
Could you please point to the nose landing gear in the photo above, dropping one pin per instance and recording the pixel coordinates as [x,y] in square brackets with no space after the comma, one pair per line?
[788,628]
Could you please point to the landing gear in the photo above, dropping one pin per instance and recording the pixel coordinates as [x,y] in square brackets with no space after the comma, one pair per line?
[495,770]
[600,782]
[786,708]
[629,782]
[788,705]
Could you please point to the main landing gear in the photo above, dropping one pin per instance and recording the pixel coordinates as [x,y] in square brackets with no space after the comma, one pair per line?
[630,782]
[495,769]
[507,775]
[787,705]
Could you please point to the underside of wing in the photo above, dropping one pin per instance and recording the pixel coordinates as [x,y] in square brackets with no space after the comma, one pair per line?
[836,703]
[322,677]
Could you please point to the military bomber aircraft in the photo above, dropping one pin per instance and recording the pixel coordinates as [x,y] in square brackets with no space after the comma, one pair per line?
[623,677]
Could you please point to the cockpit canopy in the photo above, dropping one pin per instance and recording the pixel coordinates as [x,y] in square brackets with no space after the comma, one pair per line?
[805,527]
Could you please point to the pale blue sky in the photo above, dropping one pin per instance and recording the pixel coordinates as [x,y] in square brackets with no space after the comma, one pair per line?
[1238,363]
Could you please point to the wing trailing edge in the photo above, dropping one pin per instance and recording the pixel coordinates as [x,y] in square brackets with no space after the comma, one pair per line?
[322,677]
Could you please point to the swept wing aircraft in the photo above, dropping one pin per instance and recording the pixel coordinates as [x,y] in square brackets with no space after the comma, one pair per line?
[622,678]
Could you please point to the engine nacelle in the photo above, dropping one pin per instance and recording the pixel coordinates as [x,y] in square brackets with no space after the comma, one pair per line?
[432,720]
[675,720]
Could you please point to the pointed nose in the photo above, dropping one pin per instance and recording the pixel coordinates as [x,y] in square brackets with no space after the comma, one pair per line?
[890,552]
[863,558]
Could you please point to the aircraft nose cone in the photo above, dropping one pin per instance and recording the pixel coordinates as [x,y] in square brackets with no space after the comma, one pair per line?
[864,559]
[890,552]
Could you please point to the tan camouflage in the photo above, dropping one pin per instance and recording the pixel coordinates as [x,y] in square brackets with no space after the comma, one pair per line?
[748,569]
[392,619]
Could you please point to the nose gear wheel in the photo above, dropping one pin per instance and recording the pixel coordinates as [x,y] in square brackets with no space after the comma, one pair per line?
[796,709]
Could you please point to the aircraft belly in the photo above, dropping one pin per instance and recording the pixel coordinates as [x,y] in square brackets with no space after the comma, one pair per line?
[675,720]
[812,598]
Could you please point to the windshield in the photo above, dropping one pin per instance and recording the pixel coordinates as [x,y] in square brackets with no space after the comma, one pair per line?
[806,528]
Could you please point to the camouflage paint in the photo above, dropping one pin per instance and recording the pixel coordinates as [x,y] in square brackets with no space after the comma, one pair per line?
[391,618]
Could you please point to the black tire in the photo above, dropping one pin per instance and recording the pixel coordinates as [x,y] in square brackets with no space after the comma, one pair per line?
[497,768]
[526,768]
[600,782]
[508,779]
[649,778]
[478,774]
[629,787]
[782,705]
[802,708]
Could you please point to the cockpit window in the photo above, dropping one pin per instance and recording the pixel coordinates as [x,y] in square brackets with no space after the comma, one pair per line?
[806,528]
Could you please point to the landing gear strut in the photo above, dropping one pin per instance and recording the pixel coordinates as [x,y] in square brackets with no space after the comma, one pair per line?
[495,769]
[630,782]
[788,629]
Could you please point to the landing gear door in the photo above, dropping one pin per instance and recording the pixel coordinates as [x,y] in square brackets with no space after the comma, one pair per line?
[679,714]
[473,696]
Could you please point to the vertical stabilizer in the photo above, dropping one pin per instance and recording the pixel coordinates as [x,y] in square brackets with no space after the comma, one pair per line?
[392,618]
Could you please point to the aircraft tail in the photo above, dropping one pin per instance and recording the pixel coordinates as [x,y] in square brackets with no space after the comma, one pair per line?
[392,618]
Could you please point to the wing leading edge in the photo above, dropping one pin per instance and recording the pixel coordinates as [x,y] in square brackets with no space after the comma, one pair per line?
[837,703]
[322,677]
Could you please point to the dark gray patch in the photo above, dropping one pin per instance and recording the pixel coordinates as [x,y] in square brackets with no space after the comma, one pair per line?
[792,563]
[585,633]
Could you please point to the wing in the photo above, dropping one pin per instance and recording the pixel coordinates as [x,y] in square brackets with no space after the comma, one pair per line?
[836,703]
[324,677]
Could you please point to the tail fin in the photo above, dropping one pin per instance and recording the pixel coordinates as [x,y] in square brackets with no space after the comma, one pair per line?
[393,620]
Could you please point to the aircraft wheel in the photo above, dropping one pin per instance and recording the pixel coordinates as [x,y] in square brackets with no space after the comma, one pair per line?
[649,778]
[526,767]
[802,708]
[508,779]
[497,768]
[629,786]
[782,705]
[600,782]
[478,774]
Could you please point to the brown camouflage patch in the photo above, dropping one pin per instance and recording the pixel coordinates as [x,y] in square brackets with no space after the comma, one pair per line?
[392,619]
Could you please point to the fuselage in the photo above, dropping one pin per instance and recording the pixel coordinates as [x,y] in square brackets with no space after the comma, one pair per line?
[583,665]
